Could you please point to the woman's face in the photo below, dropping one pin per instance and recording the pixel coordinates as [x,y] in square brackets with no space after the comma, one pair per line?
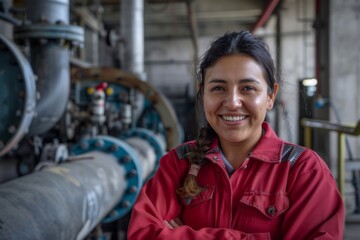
[236,98]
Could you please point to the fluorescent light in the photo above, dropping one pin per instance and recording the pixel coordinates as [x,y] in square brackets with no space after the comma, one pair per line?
[309,82]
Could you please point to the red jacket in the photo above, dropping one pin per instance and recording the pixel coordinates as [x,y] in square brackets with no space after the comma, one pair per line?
[281,191]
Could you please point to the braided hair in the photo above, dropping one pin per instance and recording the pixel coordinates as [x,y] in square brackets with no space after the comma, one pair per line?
[230,43]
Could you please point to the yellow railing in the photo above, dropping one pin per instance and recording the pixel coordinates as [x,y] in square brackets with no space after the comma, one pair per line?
[341,132]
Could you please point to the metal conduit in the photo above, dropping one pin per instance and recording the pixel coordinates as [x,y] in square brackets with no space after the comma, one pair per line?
[62,202]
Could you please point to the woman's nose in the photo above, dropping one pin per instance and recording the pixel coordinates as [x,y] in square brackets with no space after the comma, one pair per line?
[233,100]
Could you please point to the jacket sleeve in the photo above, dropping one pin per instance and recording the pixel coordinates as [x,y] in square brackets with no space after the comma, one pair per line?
[158,201]
[317,210]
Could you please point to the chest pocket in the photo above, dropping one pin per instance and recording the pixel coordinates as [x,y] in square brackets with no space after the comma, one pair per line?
[260,206]
[202,197]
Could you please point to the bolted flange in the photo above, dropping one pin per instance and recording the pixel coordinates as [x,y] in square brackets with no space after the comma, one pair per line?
[127,158]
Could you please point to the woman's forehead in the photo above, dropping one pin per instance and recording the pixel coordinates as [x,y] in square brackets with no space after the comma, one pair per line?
[234,67]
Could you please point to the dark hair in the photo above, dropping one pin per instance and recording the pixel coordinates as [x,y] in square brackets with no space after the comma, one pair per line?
[230,43]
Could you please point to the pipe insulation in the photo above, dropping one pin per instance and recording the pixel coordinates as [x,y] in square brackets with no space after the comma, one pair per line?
[62,202]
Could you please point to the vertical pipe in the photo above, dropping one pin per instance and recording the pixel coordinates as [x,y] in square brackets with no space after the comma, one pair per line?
[307,137]
[92,47]
[132,30]
[132,50]
[321,140]
[6,29]
[50,62]
[190,6]
[341,163]
[278,67]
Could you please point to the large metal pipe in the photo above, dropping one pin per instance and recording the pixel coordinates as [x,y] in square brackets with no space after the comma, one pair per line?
[50,62]
[62,202]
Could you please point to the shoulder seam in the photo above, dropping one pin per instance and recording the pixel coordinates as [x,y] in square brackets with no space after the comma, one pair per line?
[182,150]
[291,153]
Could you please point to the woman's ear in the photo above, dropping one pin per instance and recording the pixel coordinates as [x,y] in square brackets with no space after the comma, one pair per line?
[272,97]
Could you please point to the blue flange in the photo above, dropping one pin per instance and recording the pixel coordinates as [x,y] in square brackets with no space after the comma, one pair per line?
[151,138]
[127,158]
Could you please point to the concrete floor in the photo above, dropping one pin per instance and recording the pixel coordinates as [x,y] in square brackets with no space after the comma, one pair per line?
[352,231]
[352,227]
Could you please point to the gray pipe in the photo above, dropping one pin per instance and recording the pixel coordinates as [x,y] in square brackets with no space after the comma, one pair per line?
[132,30]
[49,11]
[50,62]
[62,202]
[132,49]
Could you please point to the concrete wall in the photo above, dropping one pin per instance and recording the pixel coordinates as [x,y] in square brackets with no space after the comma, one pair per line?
[169,65]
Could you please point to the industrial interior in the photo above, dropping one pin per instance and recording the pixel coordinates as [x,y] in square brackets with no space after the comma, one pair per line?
[94,92]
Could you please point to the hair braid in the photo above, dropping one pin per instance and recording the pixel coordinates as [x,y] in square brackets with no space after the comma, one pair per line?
[196,156]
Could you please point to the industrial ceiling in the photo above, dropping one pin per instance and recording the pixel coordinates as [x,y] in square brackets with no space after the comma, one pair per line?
[173,18]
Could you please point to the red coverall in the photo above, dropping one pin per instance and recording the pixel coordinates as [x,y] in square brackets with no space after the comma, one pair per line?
[281,191]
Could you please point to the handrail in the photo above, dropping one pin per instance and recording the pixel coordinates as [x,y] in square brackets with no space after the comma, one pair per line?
[341,130]
[321,124]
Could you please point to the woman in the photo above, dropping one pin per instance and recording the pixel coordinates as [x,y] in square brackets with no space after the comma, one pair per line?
[238,180]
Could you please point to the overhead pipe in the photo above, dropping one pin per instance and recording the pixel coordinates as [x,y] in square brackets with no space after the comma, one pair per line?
[266,13]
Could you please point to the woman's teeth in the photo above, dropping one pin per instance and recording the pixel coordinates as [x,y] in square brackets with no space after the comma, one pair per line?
[233,118]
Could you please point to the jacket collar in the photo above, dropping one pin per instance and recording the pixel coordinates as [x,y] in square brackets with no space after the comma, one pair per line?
[268,149]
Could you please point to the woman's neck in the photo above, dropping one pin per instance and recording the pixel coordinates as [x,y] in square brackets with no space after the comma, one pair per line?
[237,152]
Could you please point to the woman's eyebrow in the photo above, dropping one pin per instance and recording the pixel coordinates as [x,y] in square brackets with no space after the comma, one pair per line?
[245,80]
[215,80]
[249,80]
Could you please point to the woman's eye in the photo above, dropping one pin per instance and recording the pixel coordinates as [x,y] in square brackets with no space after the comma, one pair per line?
[217,89]
[249,88]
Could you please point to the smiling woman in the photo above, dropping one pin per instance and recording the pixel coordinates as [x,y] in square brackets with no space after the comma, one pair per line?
[236,99]
[238,180]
